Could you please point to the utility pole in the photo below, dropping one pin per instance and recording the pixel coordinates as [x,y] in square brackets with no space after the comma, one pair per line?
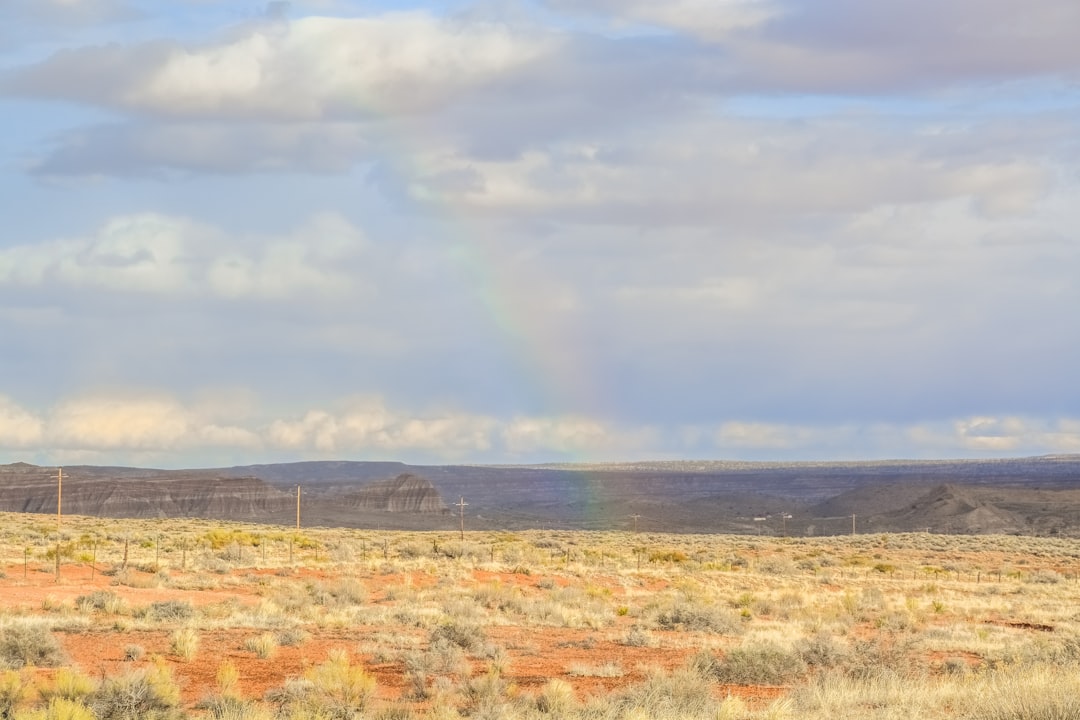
[297,507]
[852,523]
[59,514]
[635,521]
[461,506]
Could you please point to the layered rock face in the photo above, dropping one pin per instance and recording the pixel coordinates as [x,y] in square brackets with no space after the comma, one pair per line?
[143,493]
[407,493]
[96,491]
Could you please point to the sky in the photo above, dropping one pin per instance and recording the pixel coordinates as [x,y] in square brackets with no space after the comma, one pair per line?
[519,231]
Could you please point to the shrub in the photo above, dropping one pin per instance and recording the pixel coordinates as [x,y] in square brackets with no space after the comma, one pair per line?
[699,618]
[683,694]
[63,709]
[228,680]
[291,637]
[227,707]
[185,643]
[265,645]
[556,698]
[485,696]
[13,691]
[872,658]
[100,600]
[637,636]
[821,651]
[68,685]
[759,664]
[23,643]
[169,610]
[146,694]
[467,636]
[334,690]
[1045,577]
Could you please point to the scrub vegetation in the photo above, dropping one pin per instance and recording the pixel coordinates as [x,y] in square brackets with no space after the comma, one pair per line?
[183,618]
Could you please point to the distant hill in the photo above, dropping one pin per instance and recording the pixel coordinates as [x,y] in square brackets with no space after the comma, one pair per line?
[1025,495]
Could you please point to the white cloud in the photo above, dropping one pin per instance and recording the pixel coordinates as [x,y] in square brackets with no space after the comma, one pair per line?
[305,69]
[845,46]
[1002,435]
[772,436]
[18,427]
[167,255]
[98,423]
[566,435]
[371,426]
[125,427]
[731,172]
[976,436]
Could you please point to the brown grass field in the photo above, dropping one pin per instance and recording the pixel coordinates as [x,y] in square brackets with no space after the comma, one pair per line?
[240,621]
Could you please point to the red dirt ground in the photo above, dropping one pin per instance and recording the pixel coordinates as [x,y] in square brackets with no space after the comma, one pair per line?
[534,657]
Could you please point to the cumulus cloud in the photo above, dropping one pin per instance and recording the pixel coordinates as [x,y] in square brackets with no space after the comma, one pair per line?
[846,46]
[371,426]
[566,435]
[707,213]
[976,436]
[108,424]
[128,425]
[1000,435]
[731,172]
[18,427]
[131,423]
[306,69]
[158,254]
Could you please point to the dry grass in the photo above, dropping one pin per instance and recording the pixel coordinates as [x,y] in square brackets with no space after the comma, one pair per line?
[423,625]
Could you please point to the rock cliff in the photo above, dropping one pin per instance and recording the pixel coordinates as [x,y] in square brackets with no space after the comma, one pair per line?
[138,493]
[122,493]
[404,493]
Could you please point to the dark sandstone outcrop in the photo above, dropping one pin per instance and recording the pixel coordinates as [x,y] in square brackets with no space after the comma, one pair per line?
[142,493]
[404,493]
[96,491]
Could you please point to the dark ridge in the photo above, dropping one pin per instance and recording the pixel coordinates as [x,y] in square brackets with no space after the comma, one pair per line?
[1036,496]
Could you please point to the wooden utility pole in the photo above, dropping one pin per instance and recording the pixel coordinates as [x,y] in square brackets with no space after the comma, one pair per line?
[852,523]
[635,521]
[297,507]
[59,515]
[461,507]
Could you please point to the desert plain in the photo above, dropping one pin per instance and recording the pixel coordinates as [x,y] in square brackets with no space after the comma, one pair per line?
[192,618]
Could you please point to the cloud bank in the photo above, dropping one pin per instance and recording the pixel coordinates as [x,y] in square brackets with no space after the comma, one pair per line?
[598,229]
